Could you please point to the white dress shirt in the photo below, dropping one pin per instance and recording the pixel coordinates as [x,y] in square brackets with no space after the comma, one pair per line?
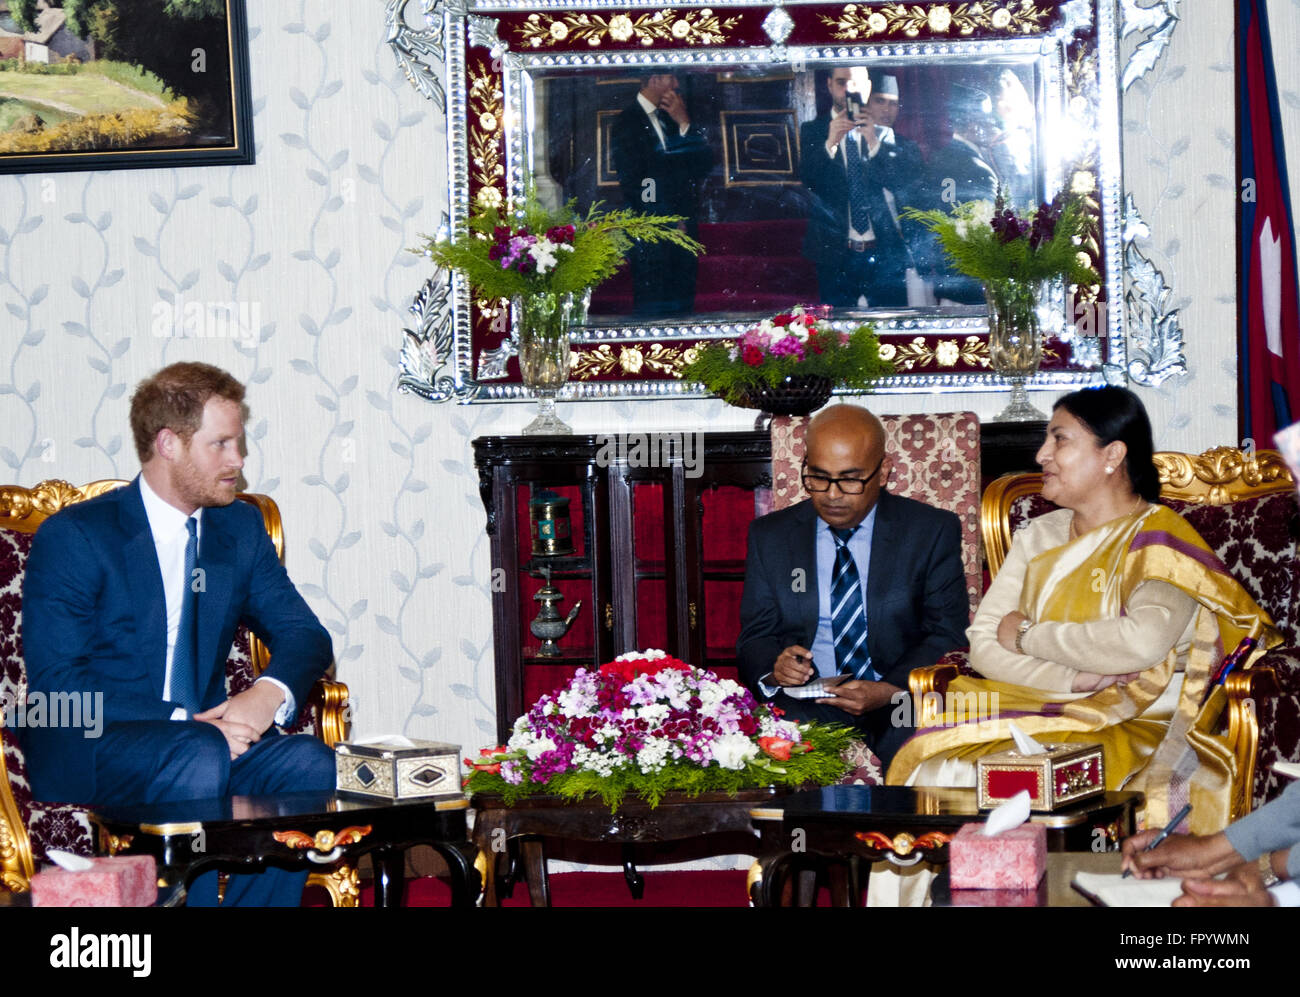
[170,536]
[823,647]
[650,110]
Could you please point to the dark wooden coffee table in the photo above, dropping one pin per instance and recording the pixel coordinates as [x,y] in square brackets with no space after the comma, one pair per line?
[904,826]
[293,830]
[678,817]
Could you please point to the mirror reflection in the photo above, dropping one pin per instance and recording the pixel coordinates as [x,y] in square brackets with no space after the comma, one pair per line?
[793,177]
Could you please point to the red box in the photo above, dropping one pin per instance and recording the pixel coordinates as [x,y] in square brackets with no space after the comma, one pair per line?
[122,881]
[1013,860]
[1063,774]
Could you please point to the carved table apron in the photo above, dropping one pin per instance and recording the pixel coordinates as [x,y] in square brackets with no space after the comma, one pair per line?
[303,830]
[676,818]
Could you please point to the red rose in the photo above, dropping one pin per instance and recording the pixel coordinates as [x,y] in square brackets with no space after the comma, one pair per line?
[783,320]
[752,355]
[776,747]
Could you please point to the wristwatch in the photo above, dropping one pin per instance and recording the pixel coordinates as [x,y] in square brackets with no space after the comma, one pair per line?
[1020,634]
[1266,874]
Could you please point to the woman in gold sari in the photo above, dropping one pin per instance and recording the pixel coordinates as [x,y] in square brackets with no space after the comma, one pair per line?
[1100,608]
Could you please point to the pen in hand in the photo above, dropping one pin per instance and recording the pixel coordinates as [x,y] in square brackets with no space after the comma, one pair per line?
[1168,830]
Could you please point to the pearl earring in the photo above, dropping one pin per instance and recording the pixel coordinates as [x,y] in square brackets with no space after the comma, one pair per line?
[1109,469]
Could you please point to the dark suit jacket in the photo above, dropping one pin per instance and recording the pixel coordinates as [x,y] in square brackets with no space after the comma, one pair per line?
[94,619]
[957,169]
[917,607]
[677,171]
[826,180]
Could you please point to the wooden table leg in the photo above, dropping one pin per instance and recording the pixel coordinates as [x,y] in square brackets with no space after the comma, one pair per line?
[539,886]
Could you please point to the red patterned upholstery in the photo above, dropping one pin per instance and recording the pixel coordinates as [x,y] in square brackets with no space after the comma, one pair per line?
[936,461]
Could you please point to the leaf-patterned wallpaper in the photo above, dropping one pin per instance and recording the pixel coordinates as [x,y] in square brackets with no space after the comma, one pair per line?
[293,274]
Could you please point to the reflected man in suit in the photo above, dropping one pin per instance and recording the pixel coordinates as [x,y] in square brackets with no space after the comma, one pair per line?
[962,171]
[848,159]
[136,595]
[853,580]
[662,159]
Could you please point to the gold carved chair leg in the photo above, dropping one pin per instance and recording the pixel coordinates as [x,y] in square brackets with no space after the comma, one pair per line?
[341,883]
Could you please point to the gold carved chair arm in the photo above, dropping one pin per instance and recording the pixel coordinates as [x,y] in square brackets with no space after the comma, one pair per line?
[929,684]
[1244,690]
[333,718]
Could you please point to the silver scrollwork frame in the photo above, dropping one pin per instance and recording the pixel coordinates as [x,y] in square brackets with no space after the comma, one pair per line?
[431,38]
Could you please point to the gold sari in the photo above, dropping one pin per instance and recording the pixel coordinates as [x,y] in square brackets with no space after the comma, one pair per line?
[1091,578]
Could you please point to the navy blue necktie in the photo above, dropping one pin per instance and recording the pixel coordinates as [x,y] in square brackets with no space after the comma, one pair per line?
[848,611]
[185,674]
[858,193]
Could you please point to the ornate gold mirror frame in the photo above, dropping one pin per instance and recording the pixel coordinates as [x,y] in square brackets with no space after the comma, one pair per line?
[510,75]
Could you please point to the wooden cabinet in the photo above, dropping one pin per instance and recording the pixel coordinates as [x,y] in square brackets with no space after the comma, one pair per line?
[659,523]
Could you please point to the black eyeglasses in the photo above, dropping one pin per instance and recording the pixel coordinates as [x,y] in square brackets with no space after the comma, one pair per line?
[848,486]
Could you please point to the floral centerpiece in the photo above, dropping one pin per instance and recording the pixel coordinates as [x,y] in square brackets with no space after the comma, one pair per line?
[1015,256]
[789,364]
[649,724]
[546,262]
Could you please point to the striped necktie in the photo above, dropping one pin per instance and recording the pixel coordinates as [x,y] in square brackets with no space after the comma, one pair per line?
[859,195]
[185,676]
[849,612]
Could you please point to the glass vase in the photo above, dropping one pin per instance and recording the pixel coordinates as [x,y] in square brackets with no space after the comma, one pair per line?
[542,323]
[1015,343]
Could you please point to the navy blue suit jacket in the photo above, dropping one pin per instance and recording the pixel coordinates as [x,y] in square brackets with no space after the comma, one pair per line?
[94,620]
[917,607]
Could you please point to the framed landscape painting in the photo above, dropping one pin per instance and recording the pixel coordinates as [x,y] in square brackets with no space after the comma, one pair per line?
[119,84]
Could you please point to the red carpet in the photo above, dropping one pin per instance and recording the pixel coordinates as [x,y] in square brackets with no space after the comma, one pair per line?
[593,889]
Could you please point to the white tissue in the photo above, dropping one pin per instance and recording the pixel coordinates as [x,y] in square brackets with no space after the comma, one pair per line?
[68,861]
[387,740]
[1025,744]
[1012,813]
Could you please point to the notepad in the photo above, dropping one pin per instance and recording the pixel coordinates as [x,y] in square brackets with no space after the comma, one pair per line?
[1113,890]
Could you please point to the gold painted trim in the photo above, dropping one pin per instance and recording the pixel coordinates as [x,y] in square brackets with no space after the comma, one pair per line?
[767,813]
[924,683]
[694,27]
[343,885]
[1243,688]
[324,840]
[175,827]
[937,20]
[461,803]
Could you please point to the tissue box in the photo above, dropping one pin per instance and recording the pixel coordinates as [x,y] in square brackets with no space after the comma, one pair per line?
[121,881]
[398,770]
[1065,773]
[1013,860]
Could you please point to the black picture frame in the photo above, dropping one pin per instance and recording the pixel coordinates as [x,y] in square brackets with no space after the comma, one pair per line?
[232,147]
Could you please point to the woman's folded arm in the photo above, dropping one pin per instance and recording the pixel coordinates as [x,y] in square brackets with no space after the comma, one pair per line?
[1155,619]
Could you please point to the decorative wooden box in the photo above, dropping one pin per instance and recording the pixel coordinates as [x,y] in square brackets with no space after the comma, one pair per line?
[1065,773]
[404,769]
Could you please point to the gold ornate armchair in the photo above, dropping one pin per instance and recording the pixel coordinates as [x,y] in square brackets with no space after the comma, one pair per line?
[1244,505]
[29,827]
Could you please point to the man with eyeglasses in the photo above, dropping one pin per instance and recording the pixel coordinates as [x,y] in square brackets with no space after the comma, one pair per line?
[854,582]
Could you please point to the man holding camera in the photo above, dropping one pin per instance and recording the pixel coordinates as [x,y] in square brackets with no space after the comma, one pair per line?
[848,162]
